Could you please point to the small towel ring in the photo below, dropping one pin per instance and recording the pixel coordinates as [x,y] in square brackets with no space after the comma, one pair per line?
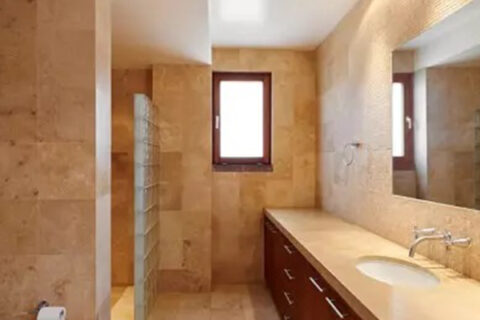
[348,154]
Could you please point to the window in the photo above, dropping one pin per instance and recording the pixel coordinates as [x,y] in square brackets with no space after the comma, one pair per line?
[241,121]
[402,121]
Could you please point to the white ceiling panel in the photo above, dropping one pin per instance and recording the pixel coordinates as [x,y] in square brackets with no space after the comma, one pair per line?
[275,23]
[146,32]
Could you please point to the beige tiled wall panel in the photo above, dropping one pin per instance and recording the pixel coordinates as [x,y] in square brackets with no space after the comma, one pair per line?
[239,198]
[355,68]
[125,83]
[451,134]
[54,86]
[182,95]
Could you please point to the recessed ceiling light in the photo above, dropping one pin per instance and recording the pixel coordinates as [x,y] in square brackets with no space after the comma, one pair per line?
[242,10]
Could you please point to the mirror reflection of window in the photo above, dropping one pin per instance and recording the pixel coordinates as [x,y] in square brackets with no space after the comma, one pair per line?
[402,121]
[398,115]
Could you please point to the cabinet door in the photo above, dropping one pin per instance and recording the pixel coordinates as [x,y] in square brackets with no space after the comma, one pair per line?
[269,254]
[273,262]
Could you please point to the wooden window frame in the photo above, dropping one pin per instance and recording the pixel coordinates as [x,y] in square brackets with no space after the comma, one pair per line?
[243,164]
[406,162]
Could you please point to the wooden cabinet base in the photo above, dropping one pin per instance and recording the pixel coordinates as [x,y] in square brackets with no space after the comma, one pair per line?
[298,290]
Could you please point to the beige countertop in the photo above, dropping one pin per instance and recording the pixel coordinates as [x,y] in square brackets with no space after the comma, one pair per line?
[334,246]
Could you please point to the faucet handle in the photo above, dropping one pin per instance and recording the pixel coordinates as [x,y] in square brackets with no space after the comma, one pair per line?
[419,232]
[458,242]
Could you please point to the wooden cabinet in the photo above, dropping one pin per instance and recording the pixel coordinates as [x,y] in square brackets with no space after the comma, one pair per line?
[298,290]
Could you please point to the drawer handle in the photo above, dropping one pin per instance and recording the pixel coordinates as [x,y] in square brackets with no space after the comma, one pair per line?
[288,298]
[337,311]
[288,249]
[316,285]
[271,228]
[288,274]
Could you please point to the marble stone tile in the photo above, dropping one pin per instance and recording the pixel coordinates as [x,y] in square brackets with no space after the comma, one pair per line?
[74,178]
[19,227]
[66,227]
[170,196]
[243,302]
[19,171]
[18,275]
[171,163]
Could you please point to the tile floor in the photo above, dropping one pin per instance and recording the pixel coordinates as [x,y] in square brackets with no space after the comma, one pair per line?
[122,303]
[236,302]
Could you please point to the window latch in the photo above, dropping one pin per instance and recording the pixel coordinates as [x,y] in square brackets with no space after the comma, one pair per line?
[409,122]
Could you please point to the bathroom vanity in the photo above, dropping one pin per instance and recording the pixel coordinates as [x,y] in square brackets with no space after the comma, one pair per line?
[298,289]
[313,268]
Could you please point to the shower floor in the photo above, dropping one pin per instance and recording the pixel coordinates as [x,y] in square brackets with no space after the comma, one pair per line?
[122,303]
[236,302]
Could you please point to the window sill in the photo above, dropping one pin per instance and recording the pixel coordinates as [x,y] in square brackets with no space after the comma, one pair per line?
[242,168]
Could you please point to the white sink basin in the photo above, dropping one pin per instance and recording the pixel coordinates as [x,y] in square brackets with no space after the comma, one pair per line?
[397,272]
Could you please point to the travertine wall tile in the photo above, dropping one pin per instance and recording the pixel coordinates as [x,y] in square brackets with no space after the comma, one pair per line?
[355,67]
[55,156]
[239,198]
[452,99]
[182,95]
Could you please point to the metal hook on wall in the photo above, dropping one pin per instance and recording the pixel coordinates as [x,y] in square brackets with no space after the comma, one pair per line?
[348,154]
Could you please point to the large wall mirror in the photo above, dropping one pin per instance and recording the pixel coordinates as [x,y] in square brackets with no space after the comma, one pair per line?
[436,112]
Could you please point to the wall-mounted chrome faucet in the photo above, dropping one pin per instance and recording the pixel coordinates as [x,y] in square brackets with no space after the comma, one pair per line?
[429,234]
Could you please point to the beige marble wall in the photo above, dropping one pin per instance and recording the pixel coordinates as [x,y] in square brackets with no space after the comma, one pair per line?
[453,96]
[125,83]
[182,94]
[54,161]
[238,198]
[355,69]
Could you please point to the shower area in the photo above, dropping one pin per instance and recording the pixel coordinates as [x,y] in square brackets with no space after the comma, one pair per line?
[135,196]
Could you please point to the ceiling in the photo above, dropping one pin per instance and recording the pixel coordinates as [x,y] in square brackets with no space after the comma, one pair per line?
[275,23]
[469,58]
[146,32]
[453,41]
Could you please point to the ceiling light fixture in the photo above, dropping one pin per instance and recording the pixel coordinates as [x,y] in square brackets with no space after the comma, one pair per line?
[242,10]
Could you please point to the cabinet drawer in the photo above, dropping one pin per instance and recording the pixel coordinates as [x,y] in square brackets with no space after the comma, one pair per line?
[325,301]
[314,305]
[338,308]
[289,305]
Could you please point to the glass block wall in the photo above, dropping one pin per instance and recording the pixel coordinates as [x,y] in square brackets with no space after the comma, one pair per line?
[146,158]
[477,159]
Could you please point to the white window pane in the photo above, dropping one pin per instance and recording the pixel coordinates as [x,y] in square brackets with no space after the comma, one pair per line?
[398,116]
[241,119]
